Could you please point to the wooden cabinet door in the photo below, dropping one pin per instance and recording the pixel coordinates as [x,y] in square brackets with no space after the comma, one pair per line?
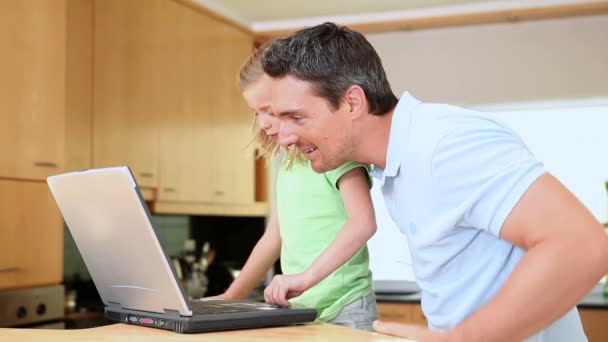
[32,88]
[167,103]
[205,152]
[185,133]
[594,323]
[31,247]
[233,177]
[130,67]
[401,312]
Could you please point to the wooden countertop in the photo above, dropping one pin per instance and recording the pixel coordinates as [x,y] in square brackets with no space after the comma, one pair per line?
[132,333]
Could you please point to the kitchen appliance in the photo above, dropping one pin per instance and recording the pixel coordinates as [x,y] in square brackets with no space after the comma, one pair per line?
[32,307]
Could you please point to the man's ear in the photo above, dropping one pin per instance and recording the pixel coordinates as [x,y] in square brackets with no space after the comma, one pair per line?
[356,101]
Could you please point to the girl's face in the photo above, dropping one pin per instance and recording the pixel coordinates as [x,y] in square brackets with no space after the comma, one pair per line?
[258,96]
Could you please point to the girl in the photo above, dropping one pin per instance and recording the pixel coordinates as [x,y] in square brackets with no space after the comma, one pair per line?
[319,227]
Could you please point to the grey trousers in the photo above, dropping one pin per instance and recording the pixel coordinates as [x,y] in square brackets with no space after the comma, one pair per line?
[359,314]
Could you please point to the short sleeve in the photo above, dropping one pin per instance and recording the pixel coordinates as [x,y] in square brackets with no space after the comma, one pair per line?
[480,173]
[334,175]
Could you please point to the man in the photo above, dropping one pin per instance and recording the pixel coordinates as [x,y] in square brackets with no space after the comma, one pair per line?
[500,248]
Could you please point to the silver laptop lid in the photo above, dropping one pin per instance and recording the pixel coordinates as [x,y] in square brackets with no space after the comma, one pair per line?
[111,227]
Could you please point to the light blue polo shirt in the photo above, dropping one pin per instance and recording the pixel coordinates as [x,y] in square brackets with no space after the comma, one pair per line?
[452,176]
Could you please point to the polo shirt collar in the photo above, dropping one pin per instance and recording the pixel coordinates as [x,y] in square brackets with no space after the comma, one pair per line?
[397,141]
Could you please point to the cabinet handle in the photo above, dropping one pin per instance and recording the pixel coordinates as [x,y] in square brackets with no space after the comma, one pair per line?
[146,174]
[169,189]
[219,193]
[10,269]
[45,164]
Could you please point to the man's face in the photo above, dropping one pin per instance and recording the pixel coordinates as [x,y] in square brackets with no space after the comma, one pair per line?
[309,123]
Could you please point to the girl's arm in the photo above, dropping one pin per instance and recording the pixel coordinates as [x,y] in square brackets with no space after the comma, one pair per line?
[264,255]
[360,226]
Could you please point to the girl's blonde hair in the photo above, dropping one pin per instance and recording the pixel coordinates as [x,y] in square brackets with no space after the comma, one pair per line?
[266,147]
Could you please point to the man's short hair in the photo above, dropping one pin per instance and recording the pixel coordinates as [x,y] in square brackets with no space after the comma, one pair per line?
[332,58]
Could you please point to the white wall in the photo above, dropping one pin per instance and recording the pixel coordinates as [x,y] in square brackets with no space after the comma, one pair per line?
[538,60]
[571,139]
[486,66]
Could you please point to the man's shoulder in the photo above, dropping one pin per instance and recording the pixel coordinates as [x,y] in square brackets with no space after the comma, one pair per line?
[434,123]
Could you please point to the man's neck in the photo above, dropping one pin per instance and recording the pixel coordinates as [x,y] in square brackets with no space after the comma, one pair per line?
[372,142]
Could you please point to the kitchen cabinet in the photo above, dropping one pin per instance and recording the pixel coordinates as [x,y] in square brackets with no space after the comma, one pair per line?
[79,85]
[186,132]
[594,320]
[146,83]
[32,88]
[45,89]
[205,146]
[401,312]
[233,177]
[45,115]
[131,66]
[167,104]
[594,323]
[31,247]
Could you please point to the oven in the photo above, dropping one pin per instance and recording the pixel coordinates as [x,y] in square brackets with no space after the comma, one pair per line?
[35,307]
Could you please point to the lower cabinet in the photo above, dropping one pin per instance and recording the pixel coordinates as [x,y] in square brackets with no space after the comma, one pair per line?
[595,323]
[594,320]
[401,312]
[31,242]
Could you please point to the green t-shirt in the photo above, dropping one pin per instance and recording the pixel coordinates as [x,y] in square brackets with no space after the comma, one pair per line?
[311,213]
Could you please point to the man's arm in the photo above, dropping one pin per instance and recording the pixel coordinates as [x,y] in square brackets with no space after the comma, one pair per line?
[566,255]
[264,255]
[360,226]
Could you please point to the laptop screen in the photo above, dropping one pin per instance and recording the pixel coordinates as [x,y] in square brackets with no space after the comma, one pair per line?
[110,223]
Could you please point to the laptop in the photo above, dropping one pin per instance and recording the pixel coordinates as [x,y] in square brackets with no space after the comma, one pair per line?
[110,223]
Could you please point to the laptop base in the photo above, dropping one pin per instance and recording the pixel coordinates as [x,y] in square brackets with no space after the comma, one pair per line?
[211,322]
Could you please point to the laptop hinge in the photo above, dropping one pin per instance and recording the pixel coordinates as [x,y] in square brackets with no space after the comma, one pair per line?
[172,313]
[114,306]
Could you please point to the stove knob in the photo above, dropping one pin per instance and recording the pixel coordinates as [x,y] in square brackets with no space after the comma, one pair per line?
[41,309]
[21,312]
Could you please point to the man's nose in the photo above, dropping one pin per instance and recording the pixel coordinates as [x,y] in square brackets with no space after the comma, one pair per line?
[286,138]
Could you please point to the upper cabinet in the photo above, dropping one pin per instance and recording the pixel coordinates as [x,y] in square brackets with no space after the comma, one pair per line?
[233,177]
[186,131]
[166,103]
[205,143]
[131,65]
[146,83]
[32,88]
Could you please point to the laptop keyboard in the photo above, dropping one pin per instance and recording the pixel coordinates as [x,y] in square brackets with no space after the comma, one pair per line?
[203,307]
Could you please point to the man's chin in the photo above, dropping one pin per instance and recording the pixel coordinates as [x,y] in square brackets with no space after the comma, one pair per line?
[318,167]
